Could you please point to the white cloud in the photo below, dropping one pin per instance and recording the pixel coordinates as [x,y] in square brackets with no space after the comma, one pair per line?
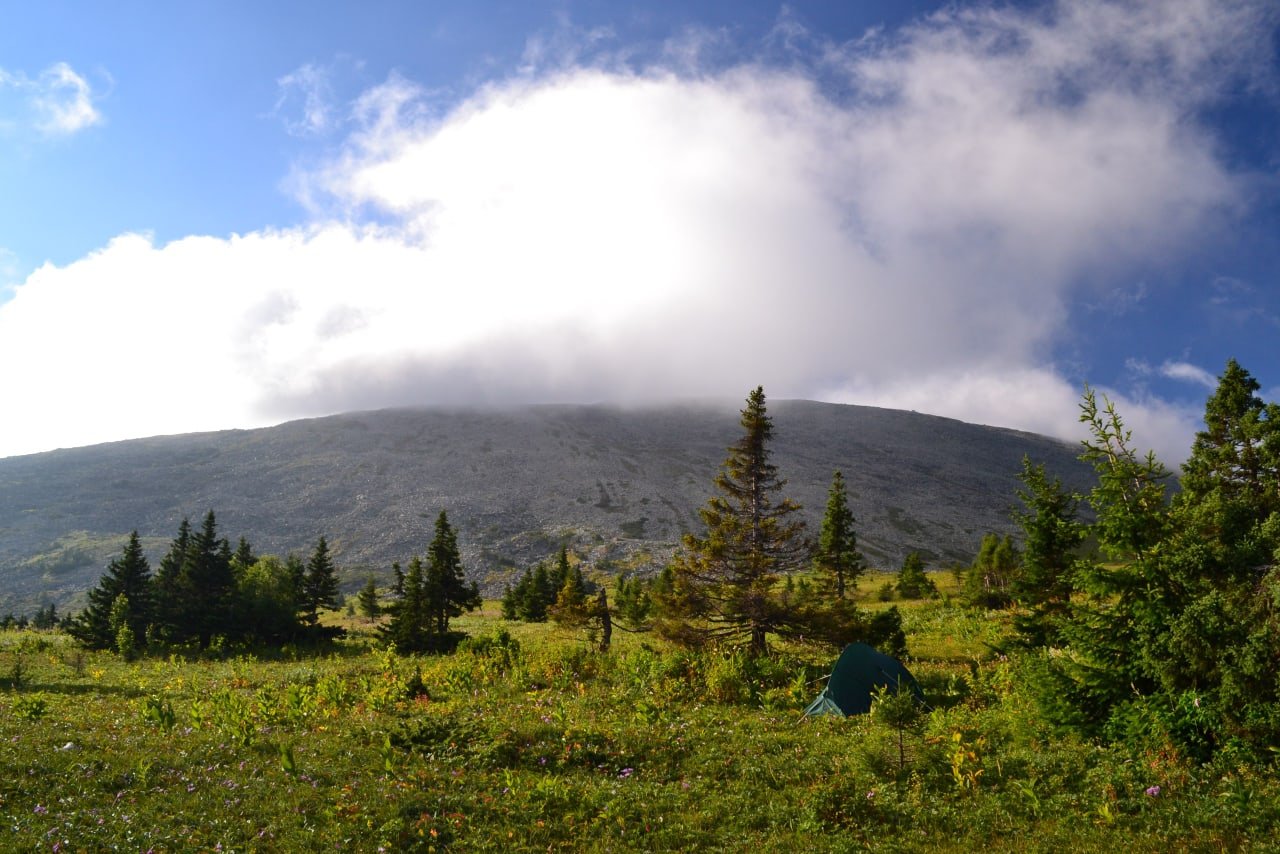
[304,100]
[58,102]
[1187,372]
[596,233]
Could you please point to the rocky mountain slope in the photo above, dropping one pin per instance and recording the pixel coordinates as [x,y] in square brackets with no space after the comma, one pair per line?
[618,486]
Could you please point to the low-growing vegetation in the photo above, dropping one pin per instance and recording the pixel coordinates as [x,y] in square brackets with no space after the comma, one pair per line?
[527,739]
[1119,693]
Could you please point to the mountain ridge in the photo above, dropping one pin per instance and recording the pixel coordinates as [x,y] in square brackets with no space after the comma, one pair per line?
[616,484]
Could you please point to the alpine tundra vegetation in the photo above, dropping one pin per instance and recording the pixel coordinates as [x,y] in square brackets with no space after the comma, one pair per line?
[1108,678]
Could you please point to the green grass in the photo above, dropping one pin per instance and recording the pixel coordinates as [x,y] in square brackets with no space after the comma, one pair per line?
[554,746]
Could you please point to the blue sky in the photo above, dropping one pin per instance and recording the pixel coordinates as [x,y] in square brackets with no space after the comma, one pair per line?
[231,214]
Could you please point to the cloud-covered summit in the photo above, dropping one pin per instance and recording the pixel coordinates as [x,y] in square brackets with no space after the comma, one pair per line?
[903,220]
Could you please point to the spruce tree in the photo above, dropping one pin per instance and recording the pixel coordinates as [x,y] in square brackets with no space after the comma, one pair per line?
[206,585]
[129,576]
[726,583]
[368,600]
[1051,534]
[320,585]
[912,582]
[168,597]
[448,592]
[243,557]
[412,624]
[837,554]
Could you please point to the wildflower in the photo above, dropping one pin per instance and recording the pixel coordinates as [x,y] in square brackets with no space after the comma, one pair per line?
[41,809]
[1153,791]
[625,773]
[871,795]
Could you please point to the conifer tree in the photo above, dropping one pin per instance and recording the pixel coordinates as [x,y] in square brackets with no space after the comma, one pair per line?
[837,554]
[725,584]
[320,584]
[1179,634]
[168,596]
[368,600]
[129,576]
[1051,534]
[510,607]
[448,592]
[412,624]
[206,585]
[243,557]
[912,581]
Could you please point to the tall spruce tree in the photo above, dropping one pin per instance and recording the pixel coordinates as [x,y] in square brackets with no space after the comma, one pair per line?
[449,594]
[726,583]
[320,584]
[412,625]
[206,586]
[167,595]
[1122,618]
[1051,533]
[129,576]
[837,555]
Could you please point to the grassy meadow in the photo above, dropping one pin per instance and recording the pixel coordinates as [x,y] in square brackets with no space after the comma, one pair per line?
[527,739]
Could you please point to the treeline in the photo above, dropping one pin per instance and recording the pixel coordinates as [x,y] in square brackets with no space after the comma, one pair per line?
[746,580]
[204,591]
[1154,622]
[46,617]
[427,597]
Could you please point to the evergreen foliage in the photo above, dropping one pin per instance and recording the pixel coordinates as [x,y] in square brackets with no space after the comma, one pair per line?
[1052,534]
[449,593]
[370,608]
[1177,641]
[726,583]
[129,576]
[538,589]
[411,628]
[432,594]
[912,582]
[320,584]
[633,600]
[206,601]
[837,554]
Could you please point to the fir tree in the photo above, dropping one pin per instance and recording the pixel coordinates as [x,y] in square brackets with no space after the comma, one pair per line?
[320,584]
[130,576]
[206,585]
[243,557]
[1051,535]
[397,576]
[726,582]
[168,596]
[412,624]
[912,581]
[368,600]
[837,555]
[448,592]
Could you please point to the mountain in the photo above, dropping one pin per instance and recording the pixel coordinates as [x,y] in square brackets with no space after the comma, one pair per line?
[616,485]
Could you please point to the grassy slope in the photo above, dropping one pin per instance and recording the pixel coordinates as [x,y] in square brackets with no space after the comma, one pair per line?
[642,749]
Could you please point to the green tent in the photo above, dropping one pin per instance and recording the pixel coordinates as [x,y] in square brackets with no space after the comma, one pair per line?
[858,673]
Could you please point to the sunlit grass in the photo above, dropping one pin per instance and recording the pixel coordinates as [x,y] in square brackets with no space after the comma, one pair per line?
[551,745]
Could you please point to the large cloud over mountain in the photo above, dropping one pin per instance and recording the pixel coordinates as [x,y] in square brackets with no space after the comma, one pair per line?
[899,221]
